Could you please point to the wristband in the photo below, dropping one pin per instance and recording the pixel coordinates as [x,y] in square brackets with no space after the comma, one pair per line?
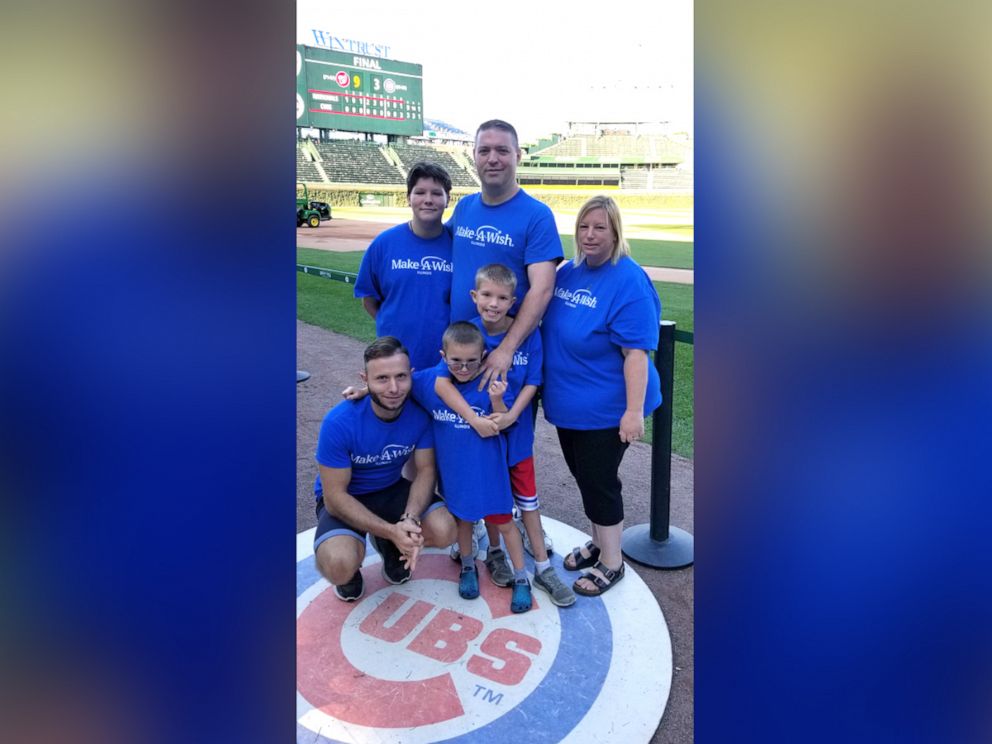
[411,518]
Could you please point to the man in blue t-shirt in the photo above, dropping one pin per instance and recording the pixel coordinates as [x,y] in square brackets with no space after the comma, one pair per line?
[503,224]
[361,451]
[404,280]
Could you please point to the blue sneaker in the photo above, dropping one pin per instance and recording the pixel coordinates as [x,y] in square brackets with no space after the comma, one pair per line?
[520,601]
[468,583]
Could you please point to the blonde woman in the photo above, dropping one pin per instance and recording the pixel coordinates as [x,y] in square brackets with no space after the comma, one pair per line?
[599,382]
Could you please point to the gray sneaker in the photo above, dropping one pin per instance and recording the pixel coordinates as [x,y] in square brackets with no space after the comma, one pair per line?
[523,533]
[549,582]
[500,572]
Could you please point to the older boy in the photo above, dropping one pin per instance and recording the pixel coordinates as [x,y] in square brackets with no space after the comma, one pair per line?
[494,295]
[405,276]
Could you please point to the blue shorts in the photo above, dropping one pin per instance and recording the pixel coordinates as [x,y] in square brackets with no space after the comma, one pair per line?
[387,504]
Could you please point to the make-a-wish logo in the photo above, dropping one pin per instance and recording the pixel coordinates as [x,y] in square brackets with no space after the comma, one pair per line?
[389,453]
[426,265]
[447,416]
[490,235]
[519,359]
[577,297]
[435,263]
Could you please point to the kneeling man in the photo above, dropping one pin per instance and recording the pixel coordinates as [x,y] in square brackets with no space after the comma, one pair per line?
[362,448]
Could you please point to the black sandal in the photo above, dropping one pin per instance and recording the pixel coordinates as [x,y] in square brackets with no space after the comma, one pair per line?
[607,581]
[580,561]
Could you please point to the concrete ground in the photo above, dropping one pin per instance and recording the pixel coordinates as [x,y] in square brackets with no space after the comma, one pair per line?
[334,361]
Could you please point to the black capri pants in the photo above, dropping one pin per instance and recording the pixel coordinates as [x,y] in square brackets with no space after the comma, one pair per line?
[593,457]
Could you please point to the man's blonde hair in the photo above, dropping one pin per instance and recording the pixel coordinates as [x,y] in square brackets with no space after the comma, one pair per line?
[621,248]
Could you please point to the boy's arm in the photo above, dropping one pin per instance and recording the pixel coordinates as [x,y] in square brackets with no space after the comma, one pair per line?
[371,305]
[496,390]
[507,419]
[448,393]
[354,392]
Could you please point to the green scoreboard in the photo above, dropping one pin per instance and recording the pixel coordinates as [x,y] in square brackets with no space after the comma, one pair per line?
[339,90]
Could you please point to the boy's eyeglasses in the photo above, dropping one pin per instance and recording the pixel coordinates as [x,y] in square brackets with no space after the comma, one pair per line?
[470,366]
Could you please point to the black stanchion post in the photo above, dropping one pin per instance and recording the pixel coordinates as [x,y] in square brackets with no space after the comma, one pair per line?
[659,544]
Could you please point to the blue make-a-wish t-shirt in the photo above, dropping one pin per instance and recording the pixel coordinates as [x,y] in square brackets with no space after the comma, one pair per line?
[525,370]
[516,233]
[593,313]
[352,436]
[471,469]
[411,278]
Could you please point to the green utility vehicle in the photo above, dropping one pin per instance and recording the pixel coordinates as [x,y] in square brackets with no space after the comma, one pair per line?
[306,214]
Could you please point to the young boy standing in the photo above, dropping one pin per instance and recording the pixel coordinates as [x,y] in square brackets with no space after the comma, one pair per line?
[495,287]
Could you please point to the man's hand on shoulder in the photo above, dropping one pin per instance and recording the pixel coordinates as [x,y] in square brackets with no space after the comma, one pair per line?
[496,366]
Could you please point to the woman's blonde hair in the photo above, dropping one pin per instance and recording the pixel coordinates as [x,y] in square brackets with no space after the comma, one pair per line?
[613,216]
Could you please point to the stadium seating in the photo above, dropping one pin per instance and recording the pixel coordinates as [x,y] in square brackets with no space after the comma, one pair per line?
[634,147]
[640,161]
[305,169]
[355,161]
[410,154]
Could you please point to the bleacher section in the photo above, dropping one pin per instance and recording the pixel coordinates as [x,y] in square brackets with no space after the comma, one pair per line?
[634,155]
[568,174]
[410,154]
[354,161]
[648,148]
[305,169]
[641,159]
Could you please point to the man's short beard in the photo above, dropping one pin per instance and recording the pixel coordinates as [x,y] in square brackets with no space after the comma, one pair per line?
[378,401]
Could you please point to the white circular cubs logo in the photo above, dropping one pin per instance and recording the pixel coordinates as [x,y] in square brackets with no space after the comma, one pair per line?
[300,106]
[417,663]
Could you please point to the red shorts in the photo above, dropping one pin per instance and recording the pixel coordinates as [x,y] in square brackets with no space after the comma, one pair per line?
[498,518]
[522,480]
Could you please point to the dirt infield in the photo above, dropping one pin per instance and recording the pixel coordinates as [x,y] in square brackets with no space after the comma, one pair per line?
[340,235]
[355,235]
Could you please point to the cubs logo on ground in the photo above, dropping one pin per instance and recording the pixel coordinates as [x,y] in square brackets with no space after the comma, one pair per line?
[417,663]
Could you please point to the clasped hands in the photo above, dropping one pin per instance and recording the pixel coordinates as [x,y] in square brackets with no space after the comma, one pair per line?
[408,539]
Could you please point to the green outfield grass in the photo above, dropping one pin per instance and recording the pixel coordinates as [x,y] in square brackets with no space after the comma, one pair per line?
[332,305]
[672,254]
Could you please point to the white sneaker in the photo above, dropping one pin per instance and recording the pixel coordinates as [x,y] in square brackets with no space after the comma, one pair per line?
[480,541]
[523,533]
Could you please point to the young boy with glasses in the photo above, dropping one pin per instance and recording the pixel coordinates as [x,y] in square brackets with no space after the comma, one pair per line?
[495,285]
